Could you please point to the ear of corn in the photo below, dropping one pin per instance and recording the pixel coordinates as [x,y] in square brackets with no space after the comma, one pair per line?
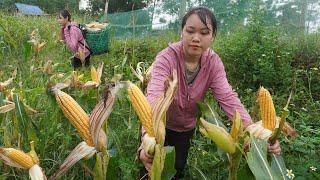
[33,153]
[8,107]
[18,157]
[41,45]
[94,75]
[89,84]
[3,85]
[236,126]
[142,107]
[220,136]
[75,79]
[76,115]
[267,110]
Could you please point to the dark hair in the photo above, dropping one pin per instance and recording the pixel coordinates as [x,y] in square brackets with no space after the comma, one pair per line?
[65,13]
[203,14]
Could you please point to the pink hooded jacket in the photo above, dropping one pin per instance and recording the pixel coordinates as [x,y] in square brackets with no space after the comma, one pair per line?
[182,113]
[73,36]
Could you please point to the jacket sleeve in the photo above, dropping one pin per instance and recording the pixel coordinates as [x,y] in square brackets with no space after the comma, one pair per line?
[72,38]
[161,70]
[222,91]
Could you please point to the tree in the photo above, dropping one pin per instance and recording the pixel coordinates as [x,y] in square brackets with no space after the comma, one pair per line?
[293,16]
[118,5]
[229,14]
[106,7]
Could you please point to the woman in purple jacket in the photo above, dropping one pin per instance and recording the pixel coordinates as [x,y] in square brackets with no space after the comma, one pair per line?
[72,35]
[199,69]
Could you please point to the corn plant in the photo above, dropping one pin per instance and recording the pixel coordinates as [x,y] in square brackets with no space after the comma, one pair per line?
[256,135]
[153,121]
[89,128]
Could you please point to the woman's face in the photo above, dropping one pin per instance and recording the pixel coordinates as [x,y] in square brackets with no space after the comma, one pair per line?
[62,21]
[196,36]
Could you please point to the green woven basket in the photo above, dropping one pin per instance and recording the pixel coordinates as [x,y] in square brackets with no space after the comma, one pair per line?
[98,41]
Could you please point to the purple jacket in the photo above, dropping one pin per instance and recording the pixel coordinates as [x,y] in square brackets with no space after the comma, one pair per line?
[182,113]
[73,37]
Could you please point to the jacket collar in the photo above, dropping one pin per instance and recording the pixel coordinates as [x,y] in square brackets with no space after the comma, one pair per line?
[177,47]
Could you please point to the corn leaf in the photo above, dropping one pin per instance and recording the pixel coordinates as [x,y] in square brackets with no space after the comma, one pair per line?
[156,168]
[278,165]
[168,170]
[27,126]
[257,160]
[209,114]
[21,117]
[79,152]
[245,173]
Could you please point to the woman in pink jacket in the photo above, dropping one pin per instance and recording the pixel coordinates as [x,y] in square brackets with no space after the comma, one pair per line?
[72,36]
[199,70]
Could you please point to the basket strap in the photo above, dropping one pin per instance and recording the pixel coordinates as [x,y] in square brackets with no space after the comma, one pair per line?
[86,47]
[83,40]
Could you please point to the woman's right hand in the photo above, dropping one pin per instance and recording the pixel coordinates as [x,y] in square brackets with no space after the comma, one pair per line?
[146,159]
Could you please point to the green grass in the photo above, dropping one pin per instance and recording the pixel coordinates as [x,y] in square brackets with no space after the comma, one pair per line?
[55,137]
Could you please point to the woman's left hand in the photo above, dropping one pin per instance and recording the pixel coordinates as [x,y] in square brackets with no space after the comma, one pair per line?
[274,148]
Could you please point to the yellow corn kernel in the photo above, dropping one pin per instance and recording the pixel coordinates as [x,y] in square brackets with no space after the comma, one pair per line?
[19,157]
[236,126]
[94,75]
[142,107]
[267,110]
[76,115]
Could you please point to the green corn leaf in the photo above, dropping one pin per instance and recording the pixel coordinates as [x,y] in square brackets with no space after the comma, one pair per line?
[24,122]
[168,170]
[156,168]
[257,160]
[278,166]
[245,173]
[21,117]
[208,112]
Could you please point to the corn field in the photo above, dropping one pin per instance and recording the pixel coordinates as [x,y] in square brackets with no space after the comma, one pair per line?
[47,109]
